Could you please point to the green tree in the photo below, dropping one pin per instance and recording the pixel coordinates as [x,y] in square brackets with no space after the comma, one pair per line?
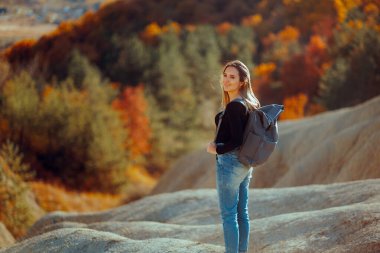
[17,210]
[238,43]
[131,58]
[70,129]
[354,76]
[202,55]
[20,105]
[173,93]
[106,156]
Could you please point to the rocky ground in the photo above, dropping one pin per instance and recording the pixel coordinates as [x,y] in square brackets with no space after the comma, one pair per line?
[339,217]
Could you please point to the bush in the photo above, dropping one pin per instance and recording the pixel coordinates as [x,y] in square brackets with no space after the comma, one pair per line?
[72,132]
[16,210]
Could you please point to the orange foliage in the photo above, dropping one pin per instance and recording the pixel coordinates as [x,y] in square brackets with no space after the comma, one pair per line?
[151,31]
[115,86]
[265,69]
[288,34]
[21,48]
[132,107]
[88,18]
[46,91]
[371,8]
[268,40]
[224,27]
[140,184]
[64,27]
[325,66]
[289,2]
[324,27]
[190,27]
[252,20]
[301,73]
[317,43]
[52,197]
[342,7]
[355,24]
[4,128]
[317,51]
[172,26]
[295,107]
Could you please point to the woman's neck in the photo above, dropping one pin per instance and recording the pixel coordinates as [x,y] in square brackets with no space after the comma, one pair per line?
[234,95]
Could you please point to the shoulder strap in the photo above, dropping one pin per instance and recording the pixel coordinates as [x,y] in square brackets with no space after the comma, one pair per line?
[243,103]
[219,122]
[221,115]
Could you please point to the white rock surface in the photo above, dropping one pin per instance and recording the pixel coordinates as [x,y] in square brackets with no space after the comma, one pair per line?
[83,240]
[339,217]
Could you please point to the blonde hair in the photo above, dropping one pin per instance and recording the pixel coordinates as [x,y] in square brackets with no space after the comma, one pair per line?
[245,90]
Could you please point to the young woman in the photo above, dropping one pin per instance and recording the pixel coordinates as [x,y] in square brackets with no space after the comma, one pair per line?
[232,177]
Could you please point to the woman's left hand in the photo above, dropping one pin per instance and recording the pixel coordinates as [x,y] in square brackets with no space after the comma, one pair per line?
[211,148]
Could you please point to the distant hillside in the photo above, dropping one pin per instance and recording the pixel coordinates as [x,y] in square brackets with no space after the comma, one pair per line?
[24,19]
[124,18]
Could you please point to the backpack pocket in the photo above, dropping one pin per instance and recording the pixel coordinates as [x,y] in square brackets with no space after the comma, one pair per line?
[249,148]
[256,150]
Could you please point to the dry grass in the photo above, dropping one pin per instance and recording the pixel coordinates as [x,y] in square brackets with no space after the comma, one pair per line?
[141,183]
[52,197]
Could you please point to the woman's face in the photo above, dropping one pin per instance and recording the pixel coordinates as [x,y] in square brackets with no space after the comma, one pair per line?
[231,82]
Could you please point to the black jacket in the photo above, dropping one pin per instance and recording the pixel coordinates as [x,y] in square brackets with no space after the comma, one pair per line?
[231,130]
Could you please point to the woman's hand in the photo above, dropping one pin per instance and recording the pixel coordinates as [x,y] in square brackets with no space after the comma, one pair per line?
[211,148]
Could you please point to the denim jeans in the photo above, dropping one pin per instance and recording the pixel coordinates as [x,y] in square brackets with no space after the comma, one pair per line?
[232,183]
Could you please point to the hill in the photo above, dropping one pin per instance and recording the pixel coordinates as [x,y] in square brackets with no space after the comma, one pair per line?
[335,146]
[23,19]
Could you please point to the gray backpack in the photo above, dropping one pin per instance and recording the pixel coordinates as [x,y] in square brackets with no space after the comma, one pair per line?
[260,135]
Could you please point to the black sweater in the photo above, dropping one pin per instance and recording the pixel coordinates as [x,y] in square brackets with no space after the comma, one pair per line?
[231,130]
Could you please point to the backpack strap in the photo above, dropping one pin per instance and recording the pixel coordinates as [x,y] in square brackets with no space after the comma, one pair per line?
[221,115]
[243,103]
[219,122]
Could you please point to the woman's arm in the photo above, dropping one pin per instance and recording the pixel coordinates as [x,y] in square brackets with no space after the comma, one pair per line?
[211,148]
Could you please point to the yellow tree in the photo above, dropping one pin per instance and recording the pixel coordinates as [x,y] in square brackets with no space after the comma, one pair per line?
[342,7]
[295,106]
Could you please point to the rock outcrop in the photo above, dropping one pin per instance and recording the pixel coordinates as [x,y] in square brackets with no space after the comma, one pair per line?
[339,217]
[335,146]
[6,238]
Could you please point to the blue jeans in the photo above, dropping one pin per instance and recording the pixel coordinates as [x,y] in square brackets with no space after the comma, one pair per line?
[232,184]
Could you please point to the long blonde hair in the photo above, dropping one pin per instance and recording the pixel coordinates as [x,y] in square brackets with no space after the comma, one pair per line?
[245,90]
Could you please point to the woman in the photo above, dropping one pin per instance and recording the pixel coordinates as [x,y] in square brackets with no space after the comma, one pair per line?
[232,177]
